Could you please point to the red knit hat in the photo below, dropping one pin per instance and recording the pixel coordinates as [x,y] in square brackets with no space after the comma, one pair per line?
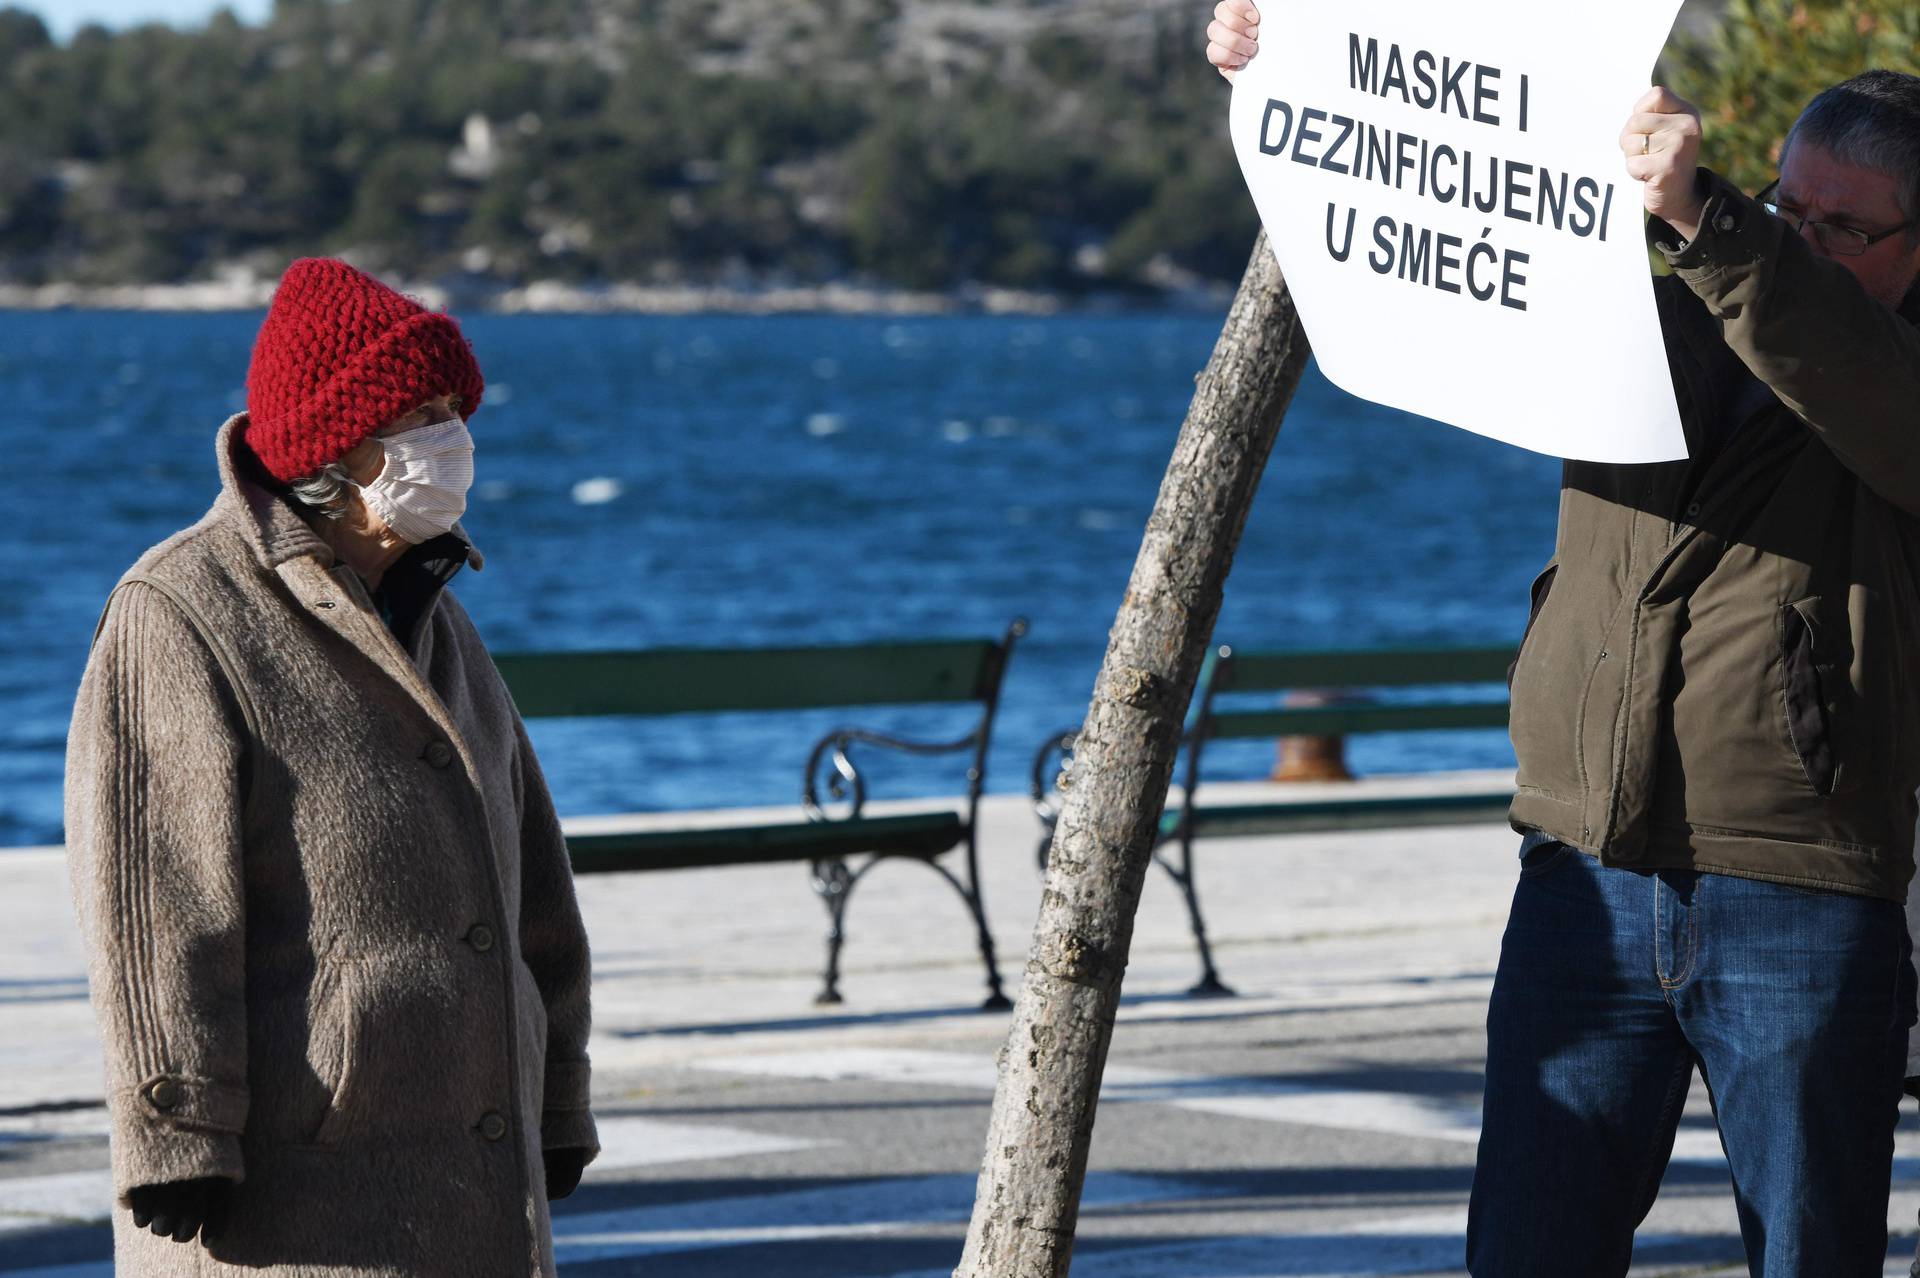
[341,355]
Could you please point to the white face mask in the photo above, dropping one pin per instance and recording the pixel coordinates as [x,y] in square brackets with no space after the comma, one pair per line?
[421,492]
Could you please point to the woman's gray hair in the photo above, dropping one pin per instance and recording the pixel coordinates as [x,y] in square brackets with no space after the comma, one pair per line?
[1872,122]
[328,490]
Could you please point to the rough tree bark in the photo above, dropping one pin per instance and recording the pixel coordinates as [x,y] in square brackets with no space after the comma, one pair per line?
[1028,1200]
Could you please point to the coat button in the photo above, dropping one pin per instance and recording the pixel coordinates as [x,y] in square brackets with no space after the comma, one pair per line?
[1725,222]
[1693,509]
[493,1126]
[438,754]
[164,1093]
[480,937]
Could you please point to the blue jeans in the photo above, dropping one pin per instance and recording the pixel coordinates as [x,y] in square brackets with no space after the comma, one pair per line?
[1613,985]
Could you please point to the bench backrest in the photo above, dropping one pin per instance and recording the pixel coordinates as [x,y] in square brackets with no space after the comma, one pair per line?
[1344,672]
[664,681]
[710,680]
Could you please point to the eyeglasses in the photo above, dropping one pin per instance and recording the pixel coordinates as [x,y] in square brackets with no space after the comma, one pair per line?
[1841,241]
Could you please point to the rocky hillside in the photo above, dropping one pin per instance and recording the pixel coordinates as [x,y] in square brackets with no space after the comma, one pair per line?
[1062,146]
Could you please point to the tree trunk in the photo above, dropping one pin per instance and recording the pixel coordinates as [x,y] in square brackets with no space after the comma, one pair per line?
[1028,1199]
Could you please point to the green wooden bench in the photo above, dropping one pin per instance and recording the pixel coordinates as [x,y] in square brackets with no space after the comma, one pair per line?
[713,680]
[1348,675]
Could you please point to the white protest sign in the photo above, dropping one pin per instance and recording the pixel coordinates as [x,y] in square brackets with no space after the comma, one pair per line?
[1443,185]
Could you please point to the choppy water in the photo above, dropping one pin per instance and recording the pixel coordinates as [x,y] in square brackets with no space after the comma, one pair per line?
[723,480]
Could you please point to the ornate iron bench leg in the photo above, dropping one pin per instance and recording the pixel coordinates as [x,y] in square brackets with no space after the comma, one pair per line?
[834,882]
[1210,985]
[997,1000]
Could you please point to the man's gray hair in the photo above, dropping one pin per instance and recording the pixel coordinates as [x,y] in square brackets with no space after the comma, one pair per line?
[1872,122]
[327,490]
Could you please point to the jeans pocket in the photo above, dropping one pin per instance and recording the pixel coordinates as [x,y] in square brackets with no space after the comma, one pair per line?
[1544,859]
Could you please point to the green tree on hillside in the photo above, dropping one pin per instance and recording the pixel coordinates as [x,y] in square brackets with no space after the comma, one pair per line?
[622,139]
[1769,58]
[648,139]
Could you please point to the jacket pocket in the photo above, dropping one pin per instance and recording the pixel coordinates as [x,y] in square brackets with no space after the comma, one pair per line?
[1806,706]
[1536,600]
[343,1021]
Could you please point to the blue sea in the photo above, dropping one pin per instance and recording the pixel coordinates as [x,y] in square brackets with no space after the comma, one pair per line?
[647,481]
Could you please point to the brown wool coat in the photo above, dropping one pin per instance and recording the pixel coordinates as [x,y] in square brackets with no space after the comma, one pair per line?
[334,948]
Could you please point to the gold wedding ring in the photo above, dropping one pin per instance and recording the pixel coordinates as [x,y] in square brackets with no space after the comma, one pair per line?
[1646,144]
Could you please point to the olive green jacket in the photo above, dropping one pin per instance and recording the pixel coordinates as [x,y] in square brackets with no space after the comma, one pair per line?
[1722,667]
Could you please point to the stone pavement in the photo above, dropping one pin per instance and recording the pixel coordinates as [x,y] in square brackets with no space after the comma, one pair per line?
[1321,1123]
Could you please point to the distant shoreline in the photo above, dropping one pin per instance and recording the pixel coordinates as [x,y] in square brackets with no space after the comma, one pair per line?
[553,297]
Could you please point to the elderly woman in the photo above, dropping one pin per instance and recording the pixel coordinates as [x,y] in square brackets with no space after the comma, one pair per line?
[334,950]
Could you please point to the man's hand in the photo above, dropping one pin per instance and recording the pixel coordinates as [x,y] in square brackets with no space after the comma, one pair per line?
[1233,37]
[1662,146]
[182,1208]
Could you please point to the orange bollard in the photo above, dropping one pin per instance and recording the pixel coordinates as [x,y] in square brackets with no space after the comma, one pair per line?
[1312,758]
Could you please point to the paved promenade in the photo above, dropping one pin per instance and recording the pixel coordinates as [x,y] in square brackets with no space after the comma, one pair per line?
[1320,1124]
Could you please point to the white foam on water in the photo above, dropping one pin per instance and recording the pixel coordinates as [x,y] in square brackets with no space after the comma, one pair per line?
[597,491]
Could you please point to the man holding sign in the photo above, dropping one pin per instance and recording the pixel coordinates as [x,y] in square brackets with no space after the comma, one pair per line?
[1715,704]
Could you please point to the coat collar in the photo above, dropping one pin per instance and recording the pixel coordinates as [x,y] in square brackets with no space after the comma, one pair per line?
[265,515]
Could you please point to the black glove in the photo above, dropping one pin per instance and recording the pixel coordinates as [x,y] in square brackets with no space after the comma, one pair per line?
[182,1208]
[563,1170]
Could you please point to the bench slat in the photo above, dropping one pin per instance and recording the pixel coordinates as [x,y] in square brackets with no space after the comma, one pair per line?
[705,680]
[1334,721]
[913,834]
[1226,820]
[1385,668]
